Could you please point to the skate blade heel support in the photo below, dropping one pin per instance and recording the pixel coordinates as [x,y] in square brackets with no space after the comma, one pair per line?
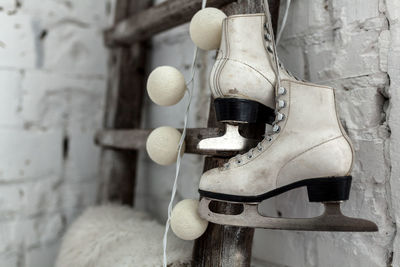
[242,111]
[235,111]
[328,191]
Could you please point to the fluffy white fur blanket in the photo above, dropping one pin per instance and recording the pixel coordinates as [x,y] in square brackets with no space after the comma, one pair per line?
[117,236]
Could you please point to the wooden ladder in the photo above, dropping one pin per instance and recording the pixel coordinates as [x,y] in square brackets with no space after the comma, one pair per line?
[135,22]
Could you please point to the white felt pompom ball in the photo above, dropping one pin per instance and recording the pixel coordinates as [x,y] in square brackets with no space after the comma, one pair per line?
[162,145]
[185,220]
[206,28]
[166,86]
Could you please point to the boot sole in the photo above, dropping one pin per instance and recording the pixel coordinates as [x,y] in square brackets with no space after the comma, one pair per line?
[326,189]
[242,110]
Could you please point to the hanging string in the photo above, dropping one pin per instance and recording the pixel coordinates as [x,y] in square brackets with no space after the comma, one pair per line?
[189,88]
[269,25]
[284,20]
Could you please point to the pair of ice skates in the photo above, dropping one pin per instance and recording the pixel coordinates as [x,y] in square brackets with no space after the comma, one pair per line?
[307,147]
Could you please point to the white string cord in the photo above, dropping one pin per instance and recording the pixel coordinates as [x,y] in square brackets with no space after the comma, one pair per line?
[284,20]
[271,31]
[189,88]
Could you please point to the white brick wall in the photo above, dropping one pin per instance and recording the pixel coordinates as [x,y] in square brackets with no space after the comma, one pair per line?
[53,71]
[353,46]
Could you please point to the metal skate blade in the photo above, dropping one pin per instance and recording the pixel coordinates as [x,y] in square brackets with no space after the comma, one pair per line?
[332,220]
[230,141]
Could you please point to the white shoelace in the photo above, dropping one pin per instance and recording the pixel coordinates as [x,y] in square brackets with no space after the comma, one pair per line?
[190,87]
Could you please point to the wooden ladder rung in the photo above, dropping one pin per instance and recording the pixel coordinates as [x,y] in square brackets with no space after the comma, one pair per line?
[134,139]
[161,17]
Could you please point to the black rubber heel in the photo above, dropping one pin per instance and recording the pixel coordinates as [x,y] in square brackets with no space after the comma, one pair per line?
[242,110]
[329,189]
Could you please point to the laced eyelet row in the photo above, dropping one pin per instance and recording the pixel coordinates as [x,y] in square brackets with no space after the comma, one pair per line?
[276,129]
[281,91]
[250,153]
[259,147]
[280,116]
[281,104]
[268,38]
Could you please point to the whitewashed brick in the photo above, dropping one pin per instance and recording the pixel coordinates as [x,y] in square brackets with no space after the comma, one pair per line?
[79,194]
[334,58]
[43,256]
[393,10]
[17,41]
[83,158]
[370,161]
[269,245]
[292,56]
[357,10]
[393,13]
[7,5]
[71,213]
[80,50]
[333,250]
[10,95]
[40,230]
[29,154]
[85,13]
[52,91]
[29,198]
[54,101]
[9,237]
[9,259]
[30,232]
[306,17]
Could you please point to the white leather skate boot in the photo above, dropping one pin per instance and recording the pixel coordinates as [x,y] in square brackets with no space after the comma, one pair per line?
[308,147]
[308,142]
[243,78]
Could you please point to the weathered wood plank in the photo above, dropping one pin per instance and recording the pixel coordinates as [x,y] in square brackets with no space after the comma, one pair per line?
[134,139]
[222,245]
[123,111]
[225,246]
[155,19]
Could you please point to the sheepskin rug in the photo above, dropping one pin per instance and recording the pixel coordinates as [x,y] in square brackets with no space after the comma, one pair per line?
[118,236]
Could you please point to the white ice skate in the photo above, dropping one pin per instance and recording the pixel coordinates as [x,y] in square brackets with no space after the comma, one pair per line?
[308,146]
[242,81]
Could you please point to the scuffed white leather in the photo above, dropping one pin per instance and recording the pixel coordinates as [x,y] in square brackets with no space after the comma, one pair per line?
[244,67]
[311,144]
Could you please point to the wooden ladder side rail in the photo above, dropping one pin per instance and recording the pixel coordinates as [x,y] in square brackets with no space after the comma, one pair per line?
[123,110]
